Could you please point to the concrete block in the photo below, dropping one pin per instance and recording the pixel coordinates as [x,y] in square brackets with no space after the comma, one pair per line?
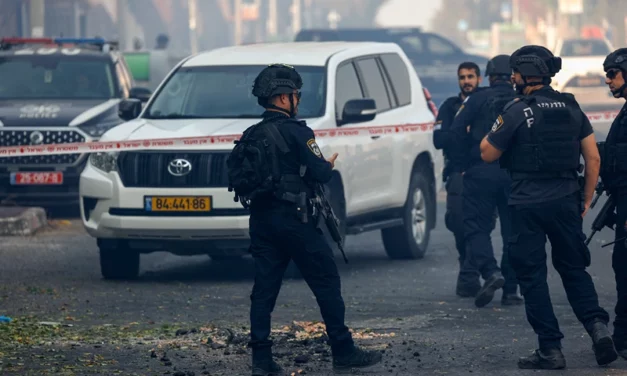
[16,220]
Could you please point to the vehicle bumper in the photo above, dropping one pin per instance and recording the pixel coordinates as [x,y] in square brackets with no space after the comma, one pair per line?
[111,211]
[41,195]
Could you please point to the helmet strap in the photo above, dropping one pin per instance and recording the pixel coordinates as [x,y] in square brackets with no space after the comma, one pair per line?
[621,90]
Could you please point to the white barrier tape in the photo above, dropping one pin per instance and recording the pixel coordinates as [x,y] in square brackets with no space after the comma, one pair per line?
[192,142]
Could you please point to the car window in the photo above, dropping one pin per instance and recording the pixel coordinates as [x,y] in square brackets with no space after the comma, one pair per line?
[398,73]
[439,46]
[371,76]
[347,87]
[411,45]
[584,47]
[57,76]
[226,92]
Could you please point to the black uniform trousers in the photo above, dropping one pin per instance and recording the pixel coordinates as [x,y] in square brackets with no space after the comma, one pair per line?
[619,264]
[278,236]
[454,216]
[559,220]
[486,190]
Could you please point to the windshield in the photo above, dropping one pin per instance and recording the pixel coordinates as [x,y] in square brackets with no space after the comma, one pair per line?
[584,47]
[225,92]
[56,77]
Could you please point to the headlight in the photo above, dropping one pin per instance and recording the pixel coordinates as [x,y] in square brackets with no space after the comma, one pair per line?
[104,161]
[98,129]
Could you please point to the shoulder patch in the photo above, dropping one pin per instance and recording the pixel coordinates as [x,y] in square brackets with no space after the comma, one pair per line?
[313,146]
[498,123]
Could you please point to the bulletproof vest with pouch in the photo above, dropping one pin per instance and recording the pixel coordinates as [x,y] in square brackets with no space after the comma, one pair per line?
[547,144]
[613,153]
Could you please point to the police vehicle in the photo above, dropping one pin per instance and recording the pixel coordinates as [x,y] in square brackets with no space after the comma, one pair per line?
[178,200]
[59,90]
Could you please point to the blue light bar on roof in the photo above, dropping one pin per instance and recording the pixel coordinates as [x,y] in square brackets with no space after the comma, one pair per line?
[99,41]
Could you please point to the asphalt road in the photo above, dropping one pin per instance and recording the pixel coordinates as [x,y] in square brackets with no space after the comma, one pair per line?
[408,309]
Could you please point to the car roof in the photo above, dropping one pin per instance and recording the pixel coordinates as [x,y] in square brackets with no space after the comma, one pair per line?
[292,53]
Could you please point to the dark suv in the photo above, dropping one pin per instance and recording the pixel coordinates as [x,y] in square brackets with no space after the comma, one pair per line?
[434,57]
[54,91]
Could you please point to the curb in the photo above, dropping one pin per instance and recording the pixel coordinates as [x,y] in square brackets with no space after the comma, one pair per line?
[16,220]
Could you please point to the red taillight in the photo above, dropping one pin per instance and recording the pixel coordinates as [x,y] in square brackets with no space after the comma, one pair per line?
[432,106]
[27,40]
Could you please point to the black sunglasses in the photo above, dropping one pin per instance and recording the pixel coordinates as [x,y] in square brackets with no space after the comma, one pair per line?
[612,73]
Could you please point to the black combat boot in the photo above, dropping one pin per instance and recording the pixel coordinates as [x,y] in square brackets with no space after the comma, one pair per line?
[511,298]
[357,359]
[620,345]
[543,359]
[602,343]
[486,294]
[263,365]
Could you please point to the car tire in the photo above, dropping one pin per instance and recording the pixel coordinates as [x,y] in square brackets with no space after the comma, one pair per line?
[118,262]
[411,239]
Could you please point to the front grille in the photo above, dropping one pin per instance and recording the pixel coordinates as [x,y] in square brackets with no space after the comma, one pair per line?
[26,137]
[150,169]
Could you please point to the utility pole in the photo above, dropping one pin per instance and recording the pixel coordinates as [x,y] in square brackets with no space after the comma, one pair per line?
[296,15]
[120,11]
[37,11]
[271,24]
[237,18]
[193,35]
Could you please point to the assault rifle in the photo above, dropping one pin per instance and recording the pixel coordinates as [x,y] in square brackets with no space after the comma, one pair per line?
[333,224]
[606,216]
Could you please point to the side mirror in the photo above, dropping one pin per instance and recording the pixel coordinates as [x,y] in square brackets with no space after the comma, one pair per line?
[129,109]
[359,110]
[141,93]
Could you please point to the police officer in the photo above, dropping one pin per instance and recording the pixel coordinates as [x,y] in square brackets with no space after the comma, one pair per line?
[278,235]
[486,186]
[614,177]
[539,139]
[469,77]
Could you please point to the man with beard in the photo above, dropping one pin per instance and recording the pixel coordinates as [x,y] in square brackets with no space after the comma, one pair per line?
[469,77]
[486,186]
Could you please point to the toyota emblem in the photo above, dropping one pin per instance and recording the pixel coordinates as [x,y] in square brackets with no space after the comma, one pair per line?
[36,138]
[179,167]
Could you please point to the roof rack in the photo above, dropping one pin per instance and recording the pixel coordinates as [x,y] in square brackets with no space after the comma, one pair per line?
[97,43]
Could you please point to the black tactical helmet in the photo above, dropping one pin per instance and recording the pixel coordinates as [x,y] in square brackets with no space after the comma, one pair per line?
[498,66]
[616,60]
[276,79]
[535,61]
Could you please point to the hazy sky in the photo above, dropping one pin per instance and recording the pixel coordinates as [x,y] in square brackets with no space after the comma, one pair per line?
[408,12]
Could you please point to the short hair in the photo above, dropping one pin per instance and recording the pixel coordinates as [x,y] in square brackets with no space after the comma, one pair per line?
[469,65]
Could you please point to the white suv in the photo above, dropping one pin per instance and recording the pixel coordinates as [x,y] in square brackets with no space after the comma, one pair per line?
[386,182]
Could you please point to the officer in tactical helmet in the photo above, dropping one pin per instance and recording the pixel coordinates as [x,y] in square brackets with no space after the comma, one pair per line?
[271,170]
[469,78]
[486,188]
[539,139]
[614,177]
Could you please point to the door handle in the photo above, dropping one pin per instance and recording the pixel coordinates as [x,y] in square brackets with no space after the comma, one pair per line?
[375,137]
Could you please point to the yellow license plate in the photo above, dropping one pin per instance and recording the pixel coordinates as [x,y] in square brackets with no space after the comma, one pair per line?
[177,203]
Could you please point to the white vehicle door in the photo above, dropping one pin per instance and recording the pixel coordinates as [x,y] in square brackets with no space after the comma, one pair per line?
[378,158]
[360,170]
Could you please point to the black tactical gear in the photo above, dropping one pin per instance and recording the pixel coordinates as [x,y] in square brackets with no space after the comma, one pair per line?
[549,145]
[613,154]
[498,66]
[617,60]
[535,61]
[493,107]
[254,168]
[274,80]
